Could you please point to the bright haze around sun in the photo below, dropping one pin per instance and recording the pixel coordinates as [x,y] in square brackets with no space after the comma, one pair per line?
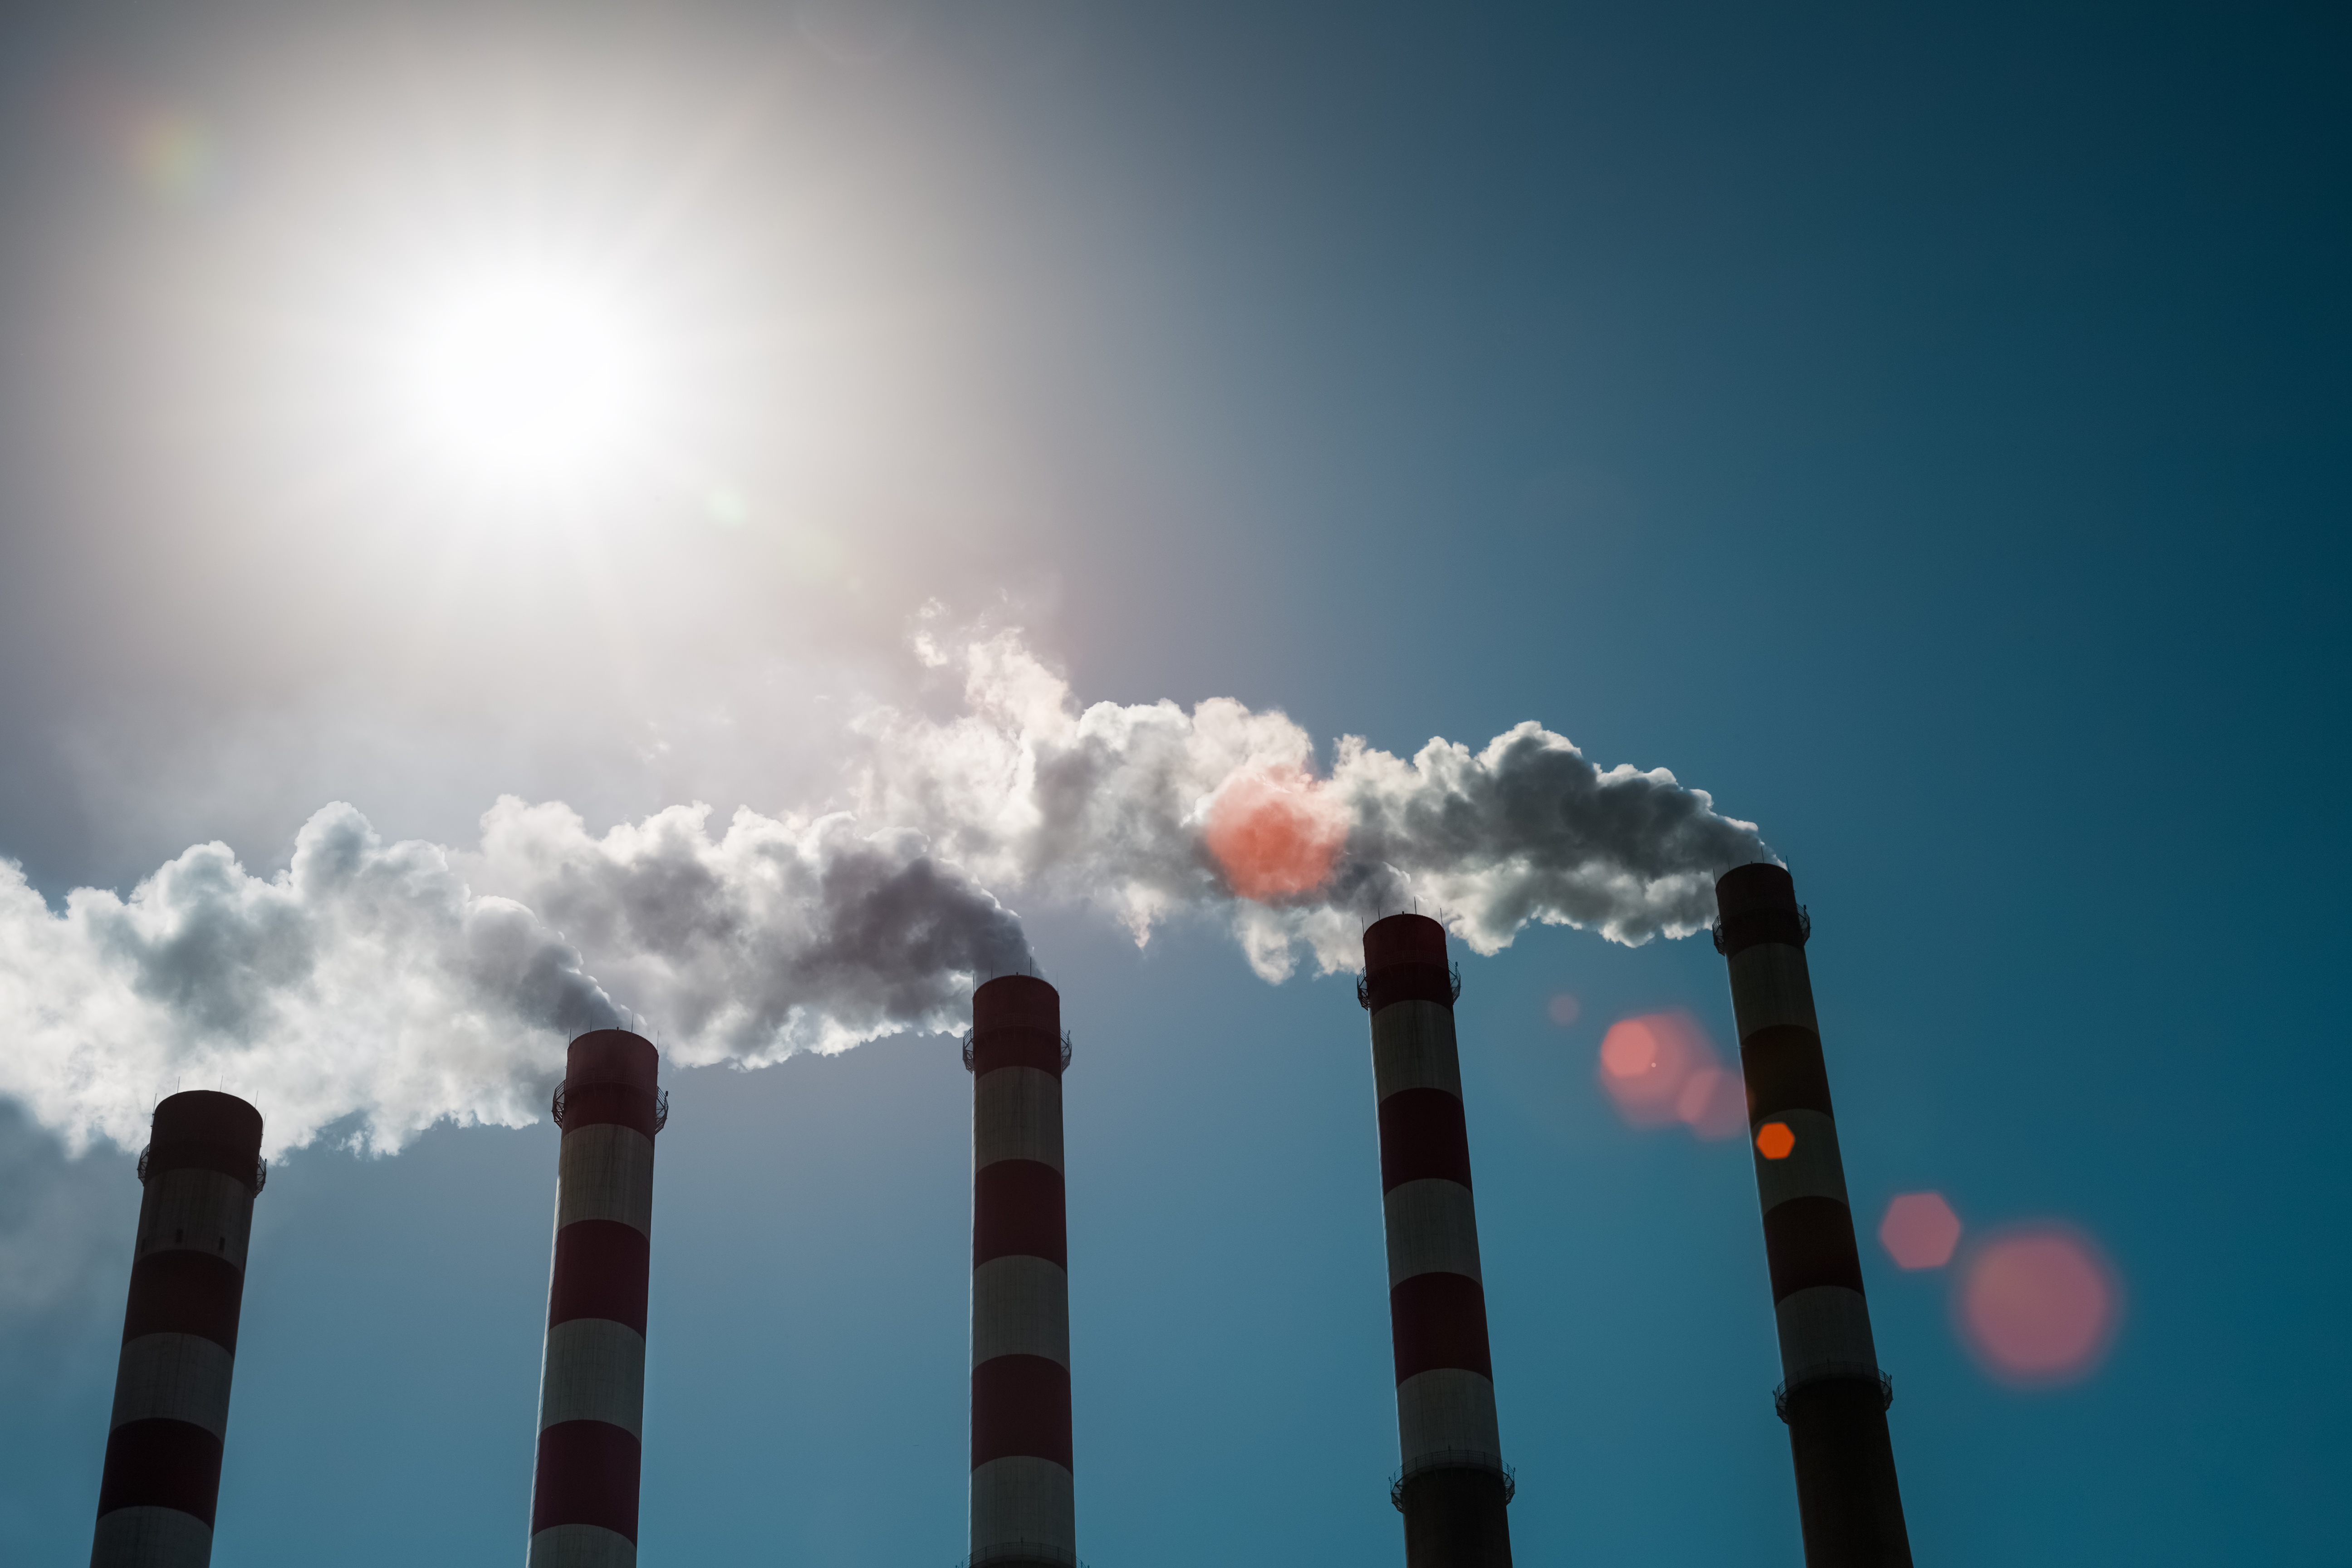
[586,401]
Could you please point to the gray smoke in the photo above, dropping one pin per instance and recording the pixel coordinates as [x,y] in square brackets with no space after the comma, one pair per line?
[1150,811]
[778,936]
[372,989]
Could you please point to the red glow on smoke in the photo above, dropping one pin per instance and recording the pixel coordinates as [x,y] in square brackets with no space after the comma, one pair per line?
[1660,1069]
[1919,1230]
[2038,1306]
[1276,833]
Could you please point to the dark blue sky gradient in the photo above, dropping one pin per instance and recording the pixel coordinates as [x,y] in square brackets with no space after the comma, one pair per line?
[1925,430]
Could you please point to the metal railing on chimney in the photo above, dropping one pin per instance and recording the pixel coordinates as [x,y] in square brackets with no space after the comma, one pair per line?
[1016,1552]
[260,1170]
[1454,1459]
[1068,1046]
[1833,1372]
[1452,987]
[661,1106]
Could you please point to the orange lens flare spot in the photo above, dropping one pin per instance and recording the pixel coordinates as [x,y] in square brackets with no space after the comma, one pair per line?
[1920,1230]
[2038,1306]
[1276,833]
[1775,1141]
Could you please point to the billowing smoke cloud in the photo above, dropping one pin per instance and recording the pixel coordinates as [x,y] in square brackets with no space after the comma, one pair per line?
[372,989]
[1151,810]
[777,937]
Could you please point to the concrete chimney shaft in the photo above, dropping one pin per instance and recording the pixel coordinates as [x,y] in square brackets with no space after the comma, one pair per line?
[1024,1511]
[592,1397]
[202,1171]
[1453,1487]
[1832,1397]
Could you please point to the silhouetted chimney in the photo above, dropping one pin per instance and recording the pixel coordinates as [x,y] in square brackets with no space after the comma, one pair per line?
[1832,1397]
[202,1170]
[1453,1485]
[592,1395]
[1024,1511]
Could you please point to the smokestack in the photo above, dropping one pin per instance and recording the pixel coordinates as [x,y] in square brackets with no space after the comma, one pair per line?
[1453,1486]
[592,1397]
[1023,1508]
[202,1170]
[1833,1397]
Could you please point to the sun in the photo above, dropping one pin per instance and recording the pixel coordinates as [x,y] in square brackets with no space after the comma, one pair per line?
[524,375]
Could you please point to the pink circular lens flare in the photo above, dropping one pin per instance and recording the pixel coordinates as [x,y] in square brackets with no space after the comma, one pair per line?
[1643,1064]
[1713,1103]
[1276,833]
[2039,1305]
[1661,1068]
[1919,1230]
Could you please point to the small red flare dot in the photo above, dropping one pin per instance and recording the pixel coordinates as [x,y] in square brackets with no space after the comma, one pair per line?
[1774,1140]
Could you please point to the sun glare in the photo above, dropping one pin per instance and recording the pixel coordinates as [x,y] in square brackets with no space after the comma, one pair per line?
[526,375]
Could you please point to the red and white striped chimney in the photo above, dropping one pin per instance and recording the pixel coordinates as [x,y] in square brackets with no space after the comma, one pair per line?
[1832,1396]
[1023,1504]
[202,1171]
[1453,1487]
[591,1398]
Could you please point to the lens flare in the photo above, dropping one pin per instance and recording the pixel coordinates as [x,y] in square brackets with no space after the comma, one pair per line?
[1276,833]
[1564,1008]
[171,155]
[1920,1230]
[167,152]
[1775,1141]
[1713,1102]
[2038,1306]
[1661,1068]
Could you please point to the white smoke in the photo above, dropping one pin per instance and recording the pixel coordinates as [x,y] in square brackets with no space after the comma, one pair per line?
[1122,806]
[370,984]
[373,989]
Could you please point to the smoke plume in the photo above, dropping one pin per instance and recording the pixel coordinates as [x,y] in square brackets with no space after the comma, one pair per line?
[372,989]
[1148,811]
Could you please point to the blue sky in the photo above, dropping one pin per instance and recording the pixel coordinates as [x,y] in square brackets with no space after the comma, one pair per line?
[1922,431]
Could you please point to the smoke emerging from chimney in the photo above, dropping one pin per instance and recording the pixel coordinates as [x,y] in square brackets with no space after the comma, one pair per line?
[372,989]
